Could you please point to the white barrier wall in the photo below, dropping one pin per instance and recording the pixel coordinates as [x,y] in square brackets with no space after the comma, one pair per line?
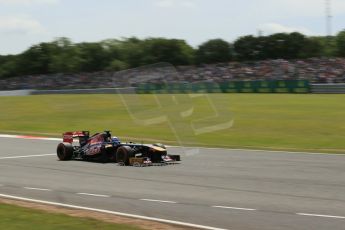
[16,93]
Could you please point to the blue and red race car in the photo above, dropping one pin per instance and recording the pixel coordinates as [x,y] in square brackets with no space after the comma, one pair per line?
[103,147]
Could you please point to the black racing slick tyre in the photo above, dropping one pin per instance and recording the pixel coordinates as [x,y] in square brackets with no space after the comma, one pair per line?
[123,154]
[64,151]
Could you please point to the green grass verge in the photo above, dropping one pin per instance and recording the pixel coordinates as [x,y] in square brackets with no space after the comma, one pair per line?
[297,122]
[14,217]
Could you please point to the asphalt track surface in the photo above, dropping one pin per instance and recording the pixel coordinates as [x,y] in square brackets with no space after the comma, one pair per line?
[228,189]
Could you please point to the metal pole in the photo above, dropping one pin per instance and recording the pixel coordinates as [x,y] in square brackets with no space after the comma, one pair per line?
[328,18]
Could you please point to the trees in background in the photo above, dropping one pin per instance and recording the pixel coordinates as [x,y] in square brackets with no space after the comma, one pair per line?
[249,48]
[8,66]
[214,51]
[63,56]
[275,46]
[173,51]
[340,41]
[133,52]
[35,60]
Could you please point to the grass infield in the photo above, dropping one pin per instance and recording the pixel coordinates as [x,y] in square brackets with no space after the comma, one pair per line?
[15,217]
[294,122]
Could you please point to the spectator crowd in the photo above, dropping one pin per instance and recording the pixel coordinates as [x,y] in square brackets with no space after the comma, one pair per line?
[316,70]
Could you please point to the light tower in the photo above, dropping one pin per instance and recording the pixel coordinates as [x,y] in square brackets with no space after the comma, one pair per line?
[328,18]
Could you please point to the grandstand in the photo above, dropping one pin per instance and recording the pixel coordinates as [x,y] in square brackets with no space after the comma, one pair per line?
[316,70]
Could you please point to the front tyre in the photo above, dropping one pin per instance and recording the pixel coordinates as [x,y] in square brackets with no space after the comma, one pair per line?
[64,151]
[123,154]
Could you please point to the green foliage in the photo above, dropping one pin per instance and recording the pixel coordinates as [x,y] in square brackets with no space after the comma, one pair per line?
[7,66]
[328,46]
[117,65]
[312,48]
[137,52]
[249,48]
[36,59]
[66,58]
[214,51]
[340,40]
[287,46]
[92,57]
[275,46]
[63,56]
[167,50]
[131,51]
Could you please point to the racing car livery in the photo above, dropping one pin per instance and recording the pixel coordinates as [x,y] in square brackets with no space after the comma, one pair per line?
[103,147]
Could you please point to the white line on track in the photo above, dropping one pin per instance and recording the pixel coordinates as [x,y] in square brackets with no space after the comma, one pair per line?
[27,156]
[29,137]
[255,150]
[91,194]
[320,215]
[112,212]
[39,189]
[235,208]
[159,201]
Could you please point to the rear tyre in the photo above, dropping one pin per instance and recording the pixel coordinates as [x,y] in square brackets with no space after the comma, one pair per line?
[64,151]
[123,154]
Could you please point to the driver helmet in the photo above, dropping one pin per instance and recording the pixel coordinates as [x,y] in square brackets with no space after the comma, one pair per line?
[116,140]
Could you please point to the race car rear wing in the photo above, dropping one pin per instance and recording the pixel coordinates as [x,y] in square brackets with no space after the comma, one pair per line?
[69,136]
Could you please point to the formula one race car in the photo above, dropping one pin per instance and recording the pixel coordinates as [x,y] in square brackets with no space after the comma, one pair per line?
[103,147]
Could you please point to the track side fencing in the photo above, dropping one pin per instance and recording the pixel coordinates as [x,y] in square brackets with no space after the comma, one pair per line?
[283,86]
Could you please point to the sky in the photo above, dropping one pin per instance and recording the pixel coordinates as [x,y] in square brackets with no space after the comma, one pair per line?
[24,23]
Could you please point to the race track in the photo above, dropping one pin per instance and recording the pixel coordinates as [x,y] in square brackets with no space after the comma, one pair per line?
[229,189]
